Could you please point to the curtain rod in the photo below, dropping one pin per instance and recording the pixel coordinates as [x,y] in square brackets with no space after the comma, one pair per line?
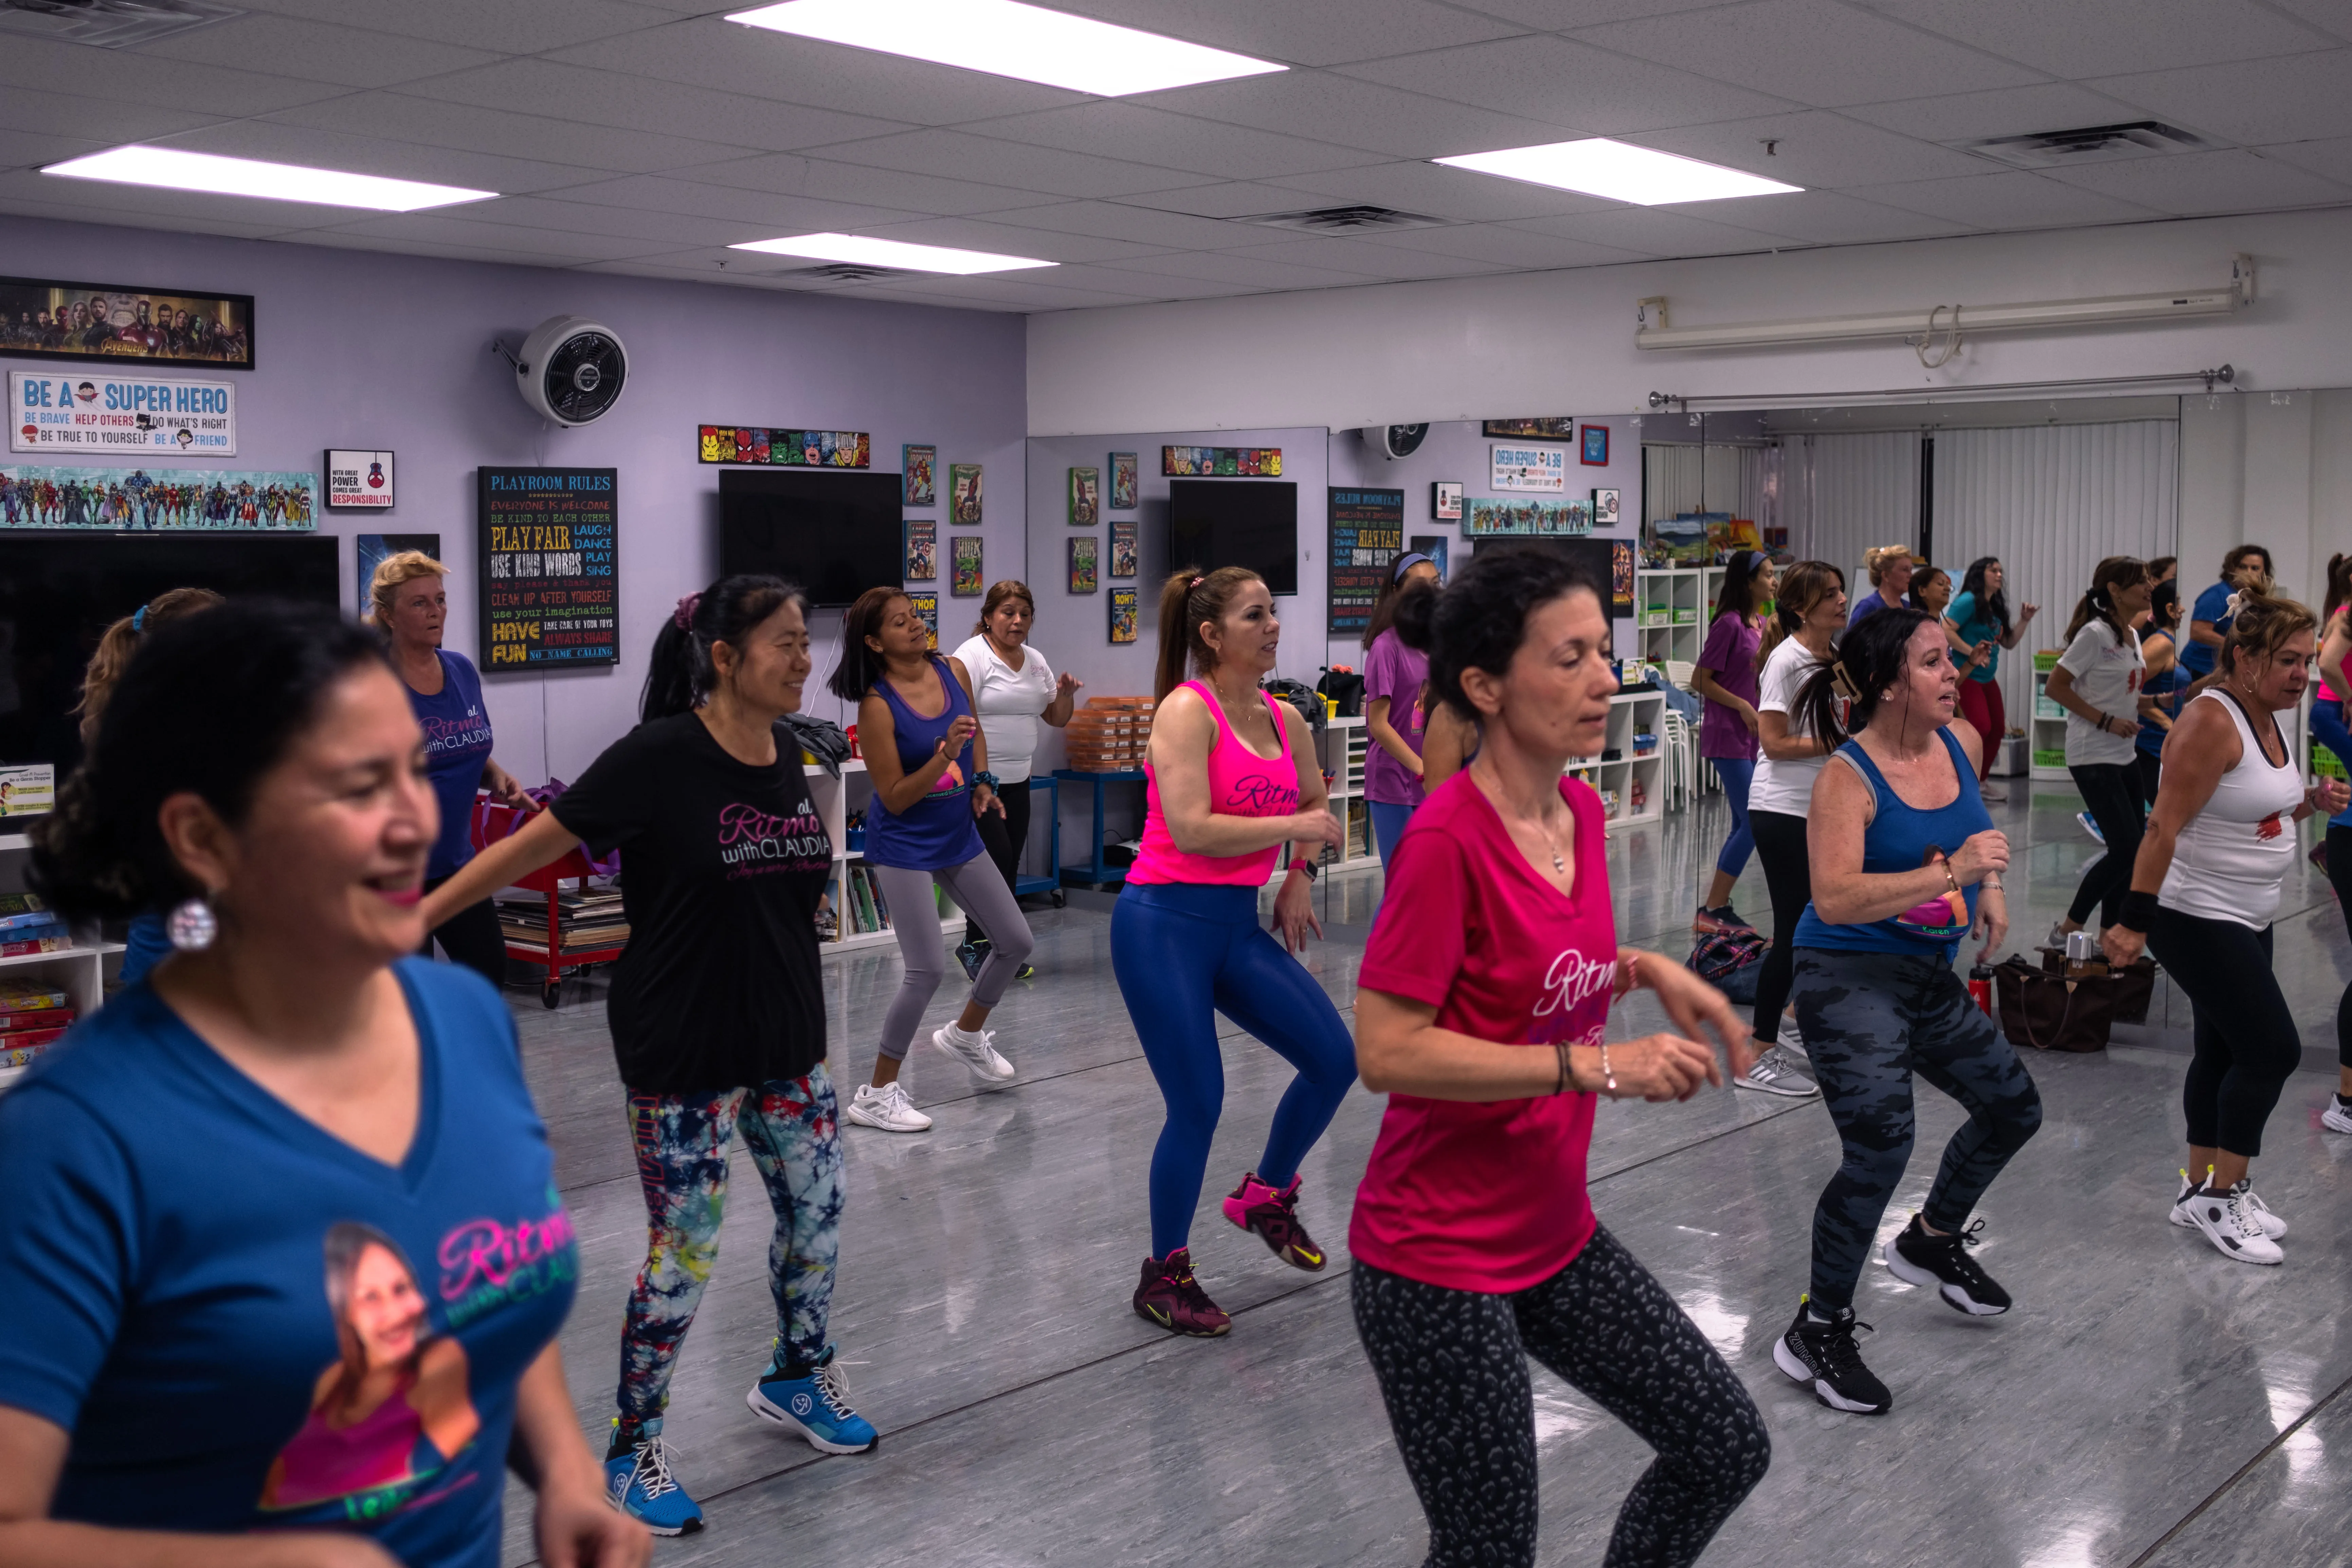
[2223,375]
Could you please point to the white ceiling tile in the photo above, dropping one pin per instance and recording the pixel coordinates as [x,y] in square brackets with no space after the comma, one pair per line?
[1572,88]
[2012,199]
[2329,157]
[1839,217]
[825,179]
[1153,136]
[2331,17]
[903,297]
[1433,189]
[1250,271]
[1513,248]
[2231,181]
[145,82]
[2002,112]
[1813,52]
[1232,198]
[585,218]
[1014,165]
[507,27]
[2251,102]
[274,140]
[2107,38]
[1368,259]
[766,213]
[22,194]
[1302,32]
[398,118]
[100,201]
[66,114]
[1815,149]
[1007,238]
[314,51]
[449,229]
[441,250]
[713,53]
[1660,231]
[1139,225]
[1141,286]
[1559,15]
[28,150]
[999,288]
[575,93]
[1353,113]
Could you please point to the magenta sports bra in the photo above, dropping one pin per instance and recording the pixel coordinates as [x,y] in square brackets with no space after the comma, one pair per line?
[1241,783]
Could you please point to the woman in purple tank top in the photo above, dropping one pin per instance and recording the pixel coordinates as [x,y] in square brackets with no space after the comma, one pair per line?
[928,762]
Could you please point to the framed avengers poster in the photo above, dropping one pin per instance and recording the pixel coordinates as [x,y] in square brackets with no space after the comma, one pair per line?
[49,318]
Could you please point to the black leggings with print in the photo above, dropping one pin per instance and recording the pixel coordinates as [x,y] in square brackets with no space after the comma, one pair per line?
[1454,1373]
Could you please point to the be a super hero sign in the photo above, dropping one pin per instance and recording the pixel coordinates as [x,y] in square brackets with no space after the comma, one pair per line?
[56,412]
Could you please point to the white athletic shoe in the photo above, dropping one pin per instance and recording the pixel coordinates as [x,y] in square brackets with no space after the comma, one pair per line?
[2335,1118]
[2273,1227]
[2232,1225]
[1793,1040]
[1776,1073]
[886,1108]
[1990,792]
[975,1049]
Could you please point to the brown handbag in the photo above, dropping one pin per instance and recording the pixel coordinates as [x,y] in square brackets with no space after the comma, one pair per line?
[2051,1013]
[2135,988]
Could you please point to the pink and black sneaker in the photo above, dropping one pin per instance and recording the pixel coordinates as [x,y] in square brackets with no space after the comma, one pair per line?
[1274,1215]
[1172,1299]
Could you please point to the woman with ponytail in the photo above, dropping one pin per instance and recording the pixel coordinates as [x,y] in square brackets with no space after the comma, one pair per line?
[1724,675]
[717,1008]
[1979,619]
[2162,687]
[2097,681]
[1395,718]
[1233,778]
[145,943]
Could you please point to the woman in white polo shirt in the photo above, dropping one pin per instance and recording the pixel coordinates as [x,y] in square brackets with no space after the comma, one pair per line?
[2098,681]
[1012,687]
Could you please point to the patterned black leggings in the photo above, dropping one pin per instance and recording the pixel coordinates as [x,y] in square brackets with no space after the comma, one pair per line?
[1452,1370]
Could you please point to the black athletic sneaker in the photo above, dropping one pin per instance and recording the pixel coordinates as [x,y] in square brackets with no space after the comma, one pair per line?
[1916,1257]
[1823,1356]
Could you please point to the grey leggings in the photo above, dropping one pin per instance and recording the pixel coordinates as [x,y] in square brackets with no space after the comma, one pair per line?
[978,888]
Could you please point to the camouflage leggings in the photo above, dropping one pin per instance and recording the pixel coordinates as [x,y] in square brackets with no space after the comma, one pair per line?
[1871,1021]
[682,1144]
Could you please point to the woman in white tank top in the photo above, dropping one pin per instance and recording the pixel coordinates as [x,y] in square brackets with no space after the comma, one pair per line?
[2204,887]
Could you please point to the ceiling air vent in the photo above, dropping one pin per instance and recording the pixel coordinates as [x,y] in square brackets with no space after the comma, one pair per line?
[108,24]
[2088,144]
[1344,220]
[842,272]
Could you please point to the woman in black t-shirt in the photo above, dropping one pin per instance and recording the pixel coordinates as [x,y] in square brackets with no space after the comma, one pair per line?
[717,1008]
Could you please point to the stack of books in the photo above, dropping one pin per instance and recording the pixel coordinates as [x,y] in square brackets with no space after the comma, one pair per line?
[26,925]
[33,1016]
[863,908]
[592,919]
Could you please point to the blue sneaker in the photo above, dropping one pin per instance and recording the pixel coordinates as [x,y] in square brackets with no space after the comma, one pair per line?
[638,1481]
[817,1406]
[2090,826]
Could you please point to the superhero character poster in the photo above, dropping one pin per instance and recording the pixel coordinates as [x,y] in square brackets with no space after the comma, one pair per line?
[51,319]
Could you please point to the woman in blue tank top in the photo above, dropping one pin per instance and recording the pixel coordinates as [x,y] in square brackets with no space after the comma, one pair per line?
[1906,864]
[928,762]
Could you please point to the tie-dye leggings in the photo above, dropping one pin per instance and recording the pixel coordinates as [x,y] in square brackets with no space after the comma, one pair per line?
[682,1142]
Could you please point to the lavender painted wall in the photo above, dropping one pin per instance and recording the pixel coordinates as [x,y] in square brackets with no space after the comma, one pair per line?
[363,349]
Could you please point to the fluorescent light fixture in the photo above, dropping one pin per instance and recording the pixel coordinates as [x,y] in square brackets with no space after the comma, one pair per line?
[1620,171]
[868,251]
[1005,37]
[174,169]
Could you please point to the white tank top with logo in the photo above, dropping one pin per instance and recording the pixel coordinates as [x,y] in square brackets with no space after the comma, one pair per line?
[2231,860]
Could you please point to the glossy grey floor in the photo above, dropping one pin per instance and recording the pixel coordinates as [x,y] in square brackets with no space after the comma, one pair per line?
[2149,1403]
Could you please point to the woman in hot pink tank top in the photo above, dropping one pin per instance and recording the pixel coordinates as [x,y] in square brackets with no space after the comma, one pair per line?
[1482,1012]
[1231,778]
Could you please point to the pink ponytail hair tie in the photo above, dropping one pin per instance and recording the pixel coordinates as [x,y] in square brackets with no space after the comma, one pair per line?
[686,608]
[1197,582]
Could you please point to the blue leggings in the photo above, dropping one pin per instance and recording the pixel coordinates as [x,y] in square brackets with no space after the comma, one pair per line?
[1737,773]
[1182,954]
[1389,820]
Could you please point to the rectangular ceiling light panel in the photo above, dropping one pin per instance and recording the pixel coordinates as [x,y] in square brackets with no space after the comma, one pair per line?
[1005,37]
[173,169]
[1619,171]
[865,250]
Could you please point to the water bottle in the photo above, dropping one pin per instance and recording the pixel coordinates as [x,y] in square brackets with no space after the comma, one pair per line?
[1980,987]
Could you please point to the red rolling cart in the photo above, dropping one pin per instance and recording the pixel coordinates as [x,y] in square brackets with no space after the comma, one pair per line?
[492,823]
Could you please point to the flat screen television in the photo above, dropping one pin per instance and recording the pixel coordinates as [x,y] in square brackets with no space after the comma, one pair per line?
[1237,522]
[834,534]
[1592,555]
[60,592]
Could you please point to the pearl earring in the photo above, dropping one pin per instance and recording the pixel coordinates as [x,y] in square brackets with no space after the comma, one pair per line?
[193,926]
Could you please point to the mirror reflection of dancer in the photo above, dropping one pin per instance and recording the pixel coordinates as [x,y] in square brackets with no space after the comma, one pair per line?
[717,1009]
[395,1386]
[930,782]
[1725,675]
[1485,998]
[1395,709]
[1874,993]
[145,943]
[2204,891]
[2334,854]
[1231,778]
[2097,681]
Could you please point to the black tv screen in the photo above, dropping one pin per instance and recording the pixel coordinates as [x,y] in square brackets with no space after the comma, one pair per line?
[834,534]
[1237,522]
[60,592]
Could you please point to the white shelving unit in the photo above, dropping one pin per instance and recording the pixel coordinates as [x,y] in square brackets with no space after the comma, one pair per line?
[1631,713]
[79,971]
[1344,746]
[1671,608]
[836,799]
[2045,735]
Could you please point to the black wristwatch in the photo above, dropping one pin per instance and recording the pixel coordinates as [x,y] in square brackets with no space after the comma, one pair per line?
[984,777]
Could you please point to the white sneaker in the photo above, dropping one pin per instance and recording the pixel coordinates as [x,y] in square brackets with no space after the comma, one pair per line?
[1992,793]
[886,1108]
[2273,1227]
[1775,1073]
[1793,1040]
[976,1050]
[2232,1225]
[2335,1118]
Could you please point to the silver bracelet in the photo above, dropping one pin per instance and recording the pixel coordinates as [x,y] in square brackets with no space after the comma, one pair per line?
[1608,1079]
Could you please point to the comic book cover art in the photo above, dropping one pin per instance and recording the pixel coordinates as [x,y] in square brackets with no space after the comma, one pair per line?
[1126,554]
[926,610]
[1086,497]
[963,494]
[920,465]
[967,566]
[1122,615]
[922,549]
[1082,563]
[1125,482]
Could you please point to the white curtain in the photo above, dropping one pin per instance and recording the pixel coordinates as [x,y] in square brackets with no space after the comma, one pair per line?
[1677,479]
[1843,494]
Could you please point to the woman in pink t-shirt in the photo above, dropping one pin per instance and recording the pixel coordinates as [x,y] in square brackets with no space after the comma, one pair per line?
[1483,1011]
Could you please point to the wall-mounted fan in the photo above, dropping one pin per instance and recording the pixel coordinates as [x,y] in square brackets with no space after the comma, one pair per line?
[1394,441]
[571,370]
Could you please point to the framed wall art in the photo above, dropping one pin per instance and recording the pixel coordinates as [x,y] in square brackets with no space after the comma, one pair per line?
[549,592]
[1596,447]
[359,481]
[765,446]
[963,494]
[1082,563]
[129,412]
[922,549]
[921,465]
[1437,547]
[373,549]
[1122,615]
[1487,515]
[1126,550]
[1223,462]
[1126,484]
[134,496]
[1445,501]
[1086,497]
[1562,429]
[926,610]
[967,566]
[1538,470]
[1607,507]
[1367,536]
[54,319]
